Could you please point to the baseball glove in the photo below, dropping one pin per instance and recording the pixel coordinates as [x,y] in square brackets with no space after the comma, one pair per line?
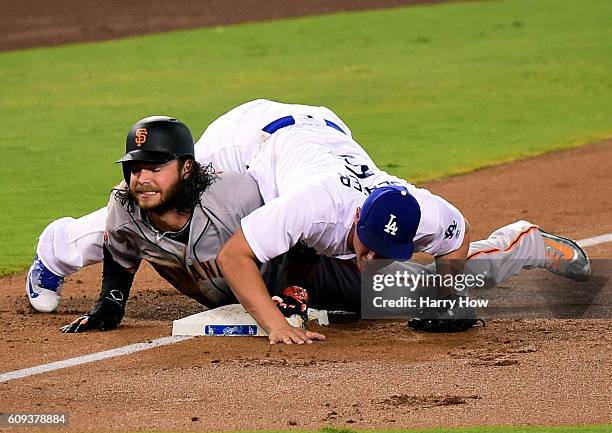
[445,320]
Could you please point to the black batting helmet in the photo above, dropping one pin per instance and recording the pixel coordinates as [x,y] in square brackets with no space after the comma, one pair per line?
[157,139]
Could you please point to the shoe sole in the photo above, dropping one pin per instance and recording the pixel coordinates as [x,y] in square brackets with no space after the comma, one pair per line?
[574,244]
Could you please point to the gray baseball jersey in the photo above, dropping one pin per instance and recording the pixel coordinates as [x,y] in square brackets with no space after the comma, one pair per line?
[190,268]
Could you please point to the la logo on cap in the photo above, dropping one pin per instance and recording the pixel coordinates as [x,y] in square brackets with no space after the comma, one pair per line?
[391,226]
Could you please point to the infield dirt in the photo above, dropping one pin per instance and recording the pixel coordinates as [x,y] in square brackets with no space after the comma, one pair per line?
[367,374]
[32,23]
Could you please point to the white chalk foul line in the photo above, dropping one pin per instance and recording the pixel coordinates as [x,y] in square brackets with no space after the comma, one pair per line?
[589,242]
[164,341]
[98,356]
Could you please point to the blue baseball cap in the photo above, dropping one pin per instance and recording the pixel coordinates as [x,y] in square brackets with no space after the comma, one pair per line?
[388,222]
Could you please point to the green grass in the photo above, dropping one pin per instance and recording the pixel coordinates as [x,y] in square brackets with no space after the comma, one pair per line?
[429,91]
[492,429]
[488,429]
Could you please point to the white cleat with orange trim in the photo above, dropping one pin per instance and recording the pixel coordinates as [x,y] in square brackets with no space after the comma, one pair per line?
[564,257]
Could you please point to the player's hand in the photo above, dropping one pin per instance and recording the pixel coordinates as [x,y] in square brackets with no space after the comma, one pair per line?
[105,315]
[81,324]
[89,322]
[290,335]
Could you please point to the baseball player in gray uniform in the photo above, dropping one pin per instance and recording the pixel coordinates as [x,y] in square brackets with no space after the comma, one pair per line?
[230,143]
[176,214]
[314,178]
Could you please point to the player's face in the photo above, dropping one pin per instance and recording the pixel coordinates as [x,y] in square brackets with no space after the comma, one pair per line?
[154,185]
[367,259]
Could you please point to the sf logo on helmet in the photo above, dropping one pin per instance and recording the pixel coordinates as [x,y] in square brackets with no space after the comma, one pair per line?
[391,226]
[141,136]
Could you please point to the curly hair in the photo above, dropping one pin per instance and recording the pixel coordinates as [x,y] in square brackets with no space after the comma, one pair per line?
[188,190]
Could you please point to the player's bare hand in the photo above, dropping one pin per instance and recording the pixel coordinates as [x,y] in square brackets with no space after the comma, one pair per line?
[290,335]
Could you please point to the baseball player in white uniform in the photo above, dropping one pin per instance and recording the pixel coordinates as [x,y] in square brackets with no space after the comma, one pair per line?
[317,184]
[316,181]
[229,143]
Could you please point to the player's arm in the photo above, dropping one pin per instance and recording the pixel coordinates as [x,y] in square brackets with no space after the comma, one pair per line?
[453,263]
[267,233]
[240,269]
[445,235]
[109,309]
